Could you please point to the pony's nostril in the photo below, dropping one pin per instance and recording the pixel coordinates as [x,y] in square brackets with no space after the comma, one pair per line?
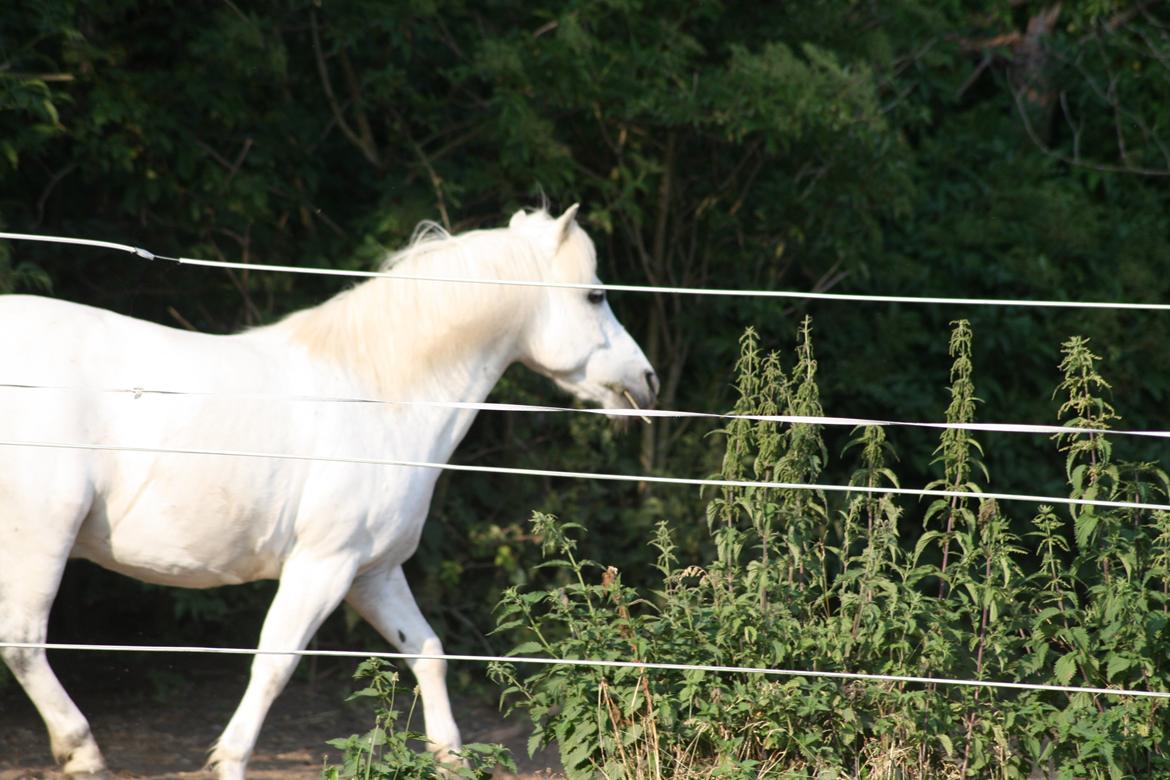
[652,383]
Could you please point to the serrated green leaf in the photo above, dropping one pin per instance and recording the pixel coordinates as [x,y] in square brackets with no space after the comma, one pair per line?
[1115,665]
[1065,667]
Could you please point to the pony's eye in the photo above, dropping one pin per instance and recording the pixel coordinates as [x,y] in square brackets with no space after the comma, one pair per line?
[596,297]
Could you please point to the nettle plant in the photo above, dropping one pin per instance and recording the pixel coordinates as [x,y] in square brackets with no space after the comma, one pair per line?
[393,749]
[1074,595]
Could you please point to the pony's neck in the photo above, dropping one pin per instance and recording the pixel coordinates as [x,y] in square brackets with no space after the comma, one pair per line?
[409,340]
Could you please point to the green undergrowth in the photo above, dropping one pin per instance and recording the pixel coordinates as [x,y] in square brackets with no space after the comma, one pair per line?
[965,587]
[392,749]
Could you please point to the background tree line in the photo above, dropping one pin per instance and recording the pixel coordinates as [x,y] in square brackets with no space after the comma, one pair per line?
[1006,149]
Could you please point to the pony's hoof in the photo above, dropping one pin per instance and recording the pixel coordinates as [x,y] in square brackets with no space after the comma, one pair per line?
[226,769]
[450,763]
[86,763]
[450,769]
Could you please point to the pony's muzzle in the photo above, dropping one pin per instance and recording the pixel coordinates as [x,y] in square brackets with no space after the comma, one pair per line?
[641,398]
[652,385]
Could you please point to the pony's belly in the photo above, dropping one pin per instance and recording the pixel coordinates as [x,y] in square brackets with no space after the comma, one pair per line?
[155,526]
[184,560]
[163,534]
[176,574]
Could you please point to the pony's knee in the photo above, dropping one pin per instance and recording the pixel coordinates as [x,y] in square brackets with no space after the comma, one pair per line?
[272,672]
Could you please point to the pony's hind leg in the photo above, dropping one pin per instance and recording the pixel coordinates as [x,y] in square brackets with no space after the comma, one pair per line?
[383,598]
[33,549]
[72,743]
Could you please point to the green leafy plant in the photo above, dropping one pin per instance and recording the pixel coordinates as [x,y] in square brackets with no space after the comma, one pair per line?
[795,580]
[391,750]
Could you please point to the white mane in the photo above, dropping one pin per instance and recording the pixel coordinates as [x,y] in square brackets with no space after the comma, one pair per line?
[429,237]
[376,328]
[426,235]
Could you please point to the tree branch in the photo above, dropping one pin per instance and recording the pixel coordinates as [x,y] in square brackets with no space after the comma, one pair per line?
[1064,158]
[367,149]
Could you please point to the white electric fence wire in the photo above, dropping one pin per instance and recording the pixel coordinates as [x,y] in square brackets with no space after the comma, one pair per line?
[598,663]
[641,478]
[613,287]
[491,406]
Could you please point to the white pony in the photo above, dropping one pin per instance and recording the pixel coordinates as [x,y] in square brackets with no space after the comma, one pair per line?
[327,530]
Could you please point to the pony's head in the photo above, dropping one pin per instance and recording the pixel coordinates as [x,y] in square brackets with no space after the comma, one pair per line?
[574,338]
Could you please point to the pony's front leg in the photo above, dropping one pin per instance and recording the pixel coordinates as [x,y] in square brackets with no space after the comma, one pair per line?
[309,590]
[383,598]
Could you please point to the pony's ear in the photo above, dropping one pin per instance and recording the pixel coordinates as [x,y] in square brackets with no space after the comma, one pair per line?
[564,224]
[517,219]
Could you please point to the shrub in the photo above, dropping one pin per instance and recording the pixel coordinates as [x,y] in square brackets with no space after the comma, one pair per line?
[793,580]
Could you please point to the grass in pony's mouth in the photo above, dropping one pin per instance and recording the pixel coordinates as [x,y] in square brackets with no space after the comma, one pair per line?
[634,405]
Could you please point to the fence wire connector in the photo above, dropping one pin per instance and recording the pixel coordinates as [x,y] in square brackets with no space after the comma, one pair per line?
[143,253]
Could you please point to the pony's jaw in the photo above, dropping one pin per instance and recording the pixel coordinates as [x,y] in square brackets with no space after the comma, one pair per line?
[633,385]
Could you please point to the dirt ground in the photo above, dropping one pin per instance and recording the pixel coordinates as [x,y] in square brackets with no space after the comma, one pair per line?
[159,724]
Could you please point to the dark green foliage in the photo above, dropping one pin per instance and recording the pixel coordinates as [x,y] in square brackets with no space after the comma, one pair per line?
[793,582]
[391,750]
